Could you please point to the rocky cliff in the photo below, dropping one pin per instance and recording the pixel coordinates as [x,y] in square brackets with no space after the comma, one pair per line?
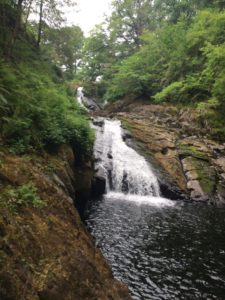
[45,250]
[190,160]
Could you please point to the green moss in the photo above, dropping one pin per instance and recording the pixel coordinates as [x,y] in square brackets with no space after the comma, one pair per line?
[206,175]
[190,150]
[127,125]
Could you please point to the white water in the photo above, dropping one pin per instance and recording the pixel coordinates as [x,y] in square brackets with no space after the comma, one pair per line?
[128,174]
[80,97]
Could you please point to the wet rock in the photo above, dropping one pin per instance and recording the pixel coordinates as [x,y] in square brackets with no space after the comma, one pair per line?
[90,104]
[109,155]
[99,182]
[125,185]
[98,121]
[126,135]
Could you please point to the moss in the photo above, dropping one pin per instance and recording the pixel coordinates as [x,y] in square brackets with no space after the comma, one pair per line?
[126,124]
[190,150]
[206,175]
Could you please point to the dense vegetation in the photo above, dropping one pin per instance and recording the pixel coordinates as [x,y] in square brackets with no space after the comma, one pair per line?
[166,50]
[170,51]
[37,107]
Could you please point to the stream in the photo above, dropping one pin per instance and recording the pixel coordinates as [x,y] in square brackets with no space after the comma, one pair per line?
[162,249]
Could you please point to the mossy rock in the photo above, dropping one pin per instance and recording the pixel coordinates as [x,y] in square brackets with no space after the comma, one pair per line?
[206,175]
[186,150]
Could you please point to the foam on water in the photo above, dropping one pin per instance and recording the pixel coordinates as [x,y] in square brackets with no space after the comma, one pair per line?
[148,200]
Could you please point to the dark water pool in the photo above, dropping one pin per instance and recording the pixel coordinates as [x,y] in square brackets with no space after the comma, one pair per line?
[162,252]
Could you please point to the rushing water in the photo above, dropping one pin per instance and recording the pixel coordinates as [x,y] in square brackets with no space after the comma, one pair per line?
[126,170]
[80,96]
[160,248]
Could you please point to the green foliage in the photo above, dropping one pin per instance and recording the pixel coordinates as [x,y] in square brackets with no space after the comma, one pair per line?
[97,55]
[23,196]
[64,45]
[181,59]
[172,93]
[177,63]
[157,63]
[38,112]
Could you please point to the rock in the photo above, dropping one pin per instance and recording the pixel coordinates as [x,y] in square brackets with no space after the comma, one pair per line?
[59,182]
[189,147]
[187,165]
[109,155]
[99,182]
[98,186]
[191,175]
[91,104]
[197,193]
[66,152]
[48,253]
[126,135]
[220,162]
[83,187]
[223,175]
[98,121]
[220,195]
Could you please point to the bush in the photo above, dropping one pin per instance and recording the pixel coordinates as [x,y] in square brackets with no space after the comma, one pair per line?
[172,93]
[22,196]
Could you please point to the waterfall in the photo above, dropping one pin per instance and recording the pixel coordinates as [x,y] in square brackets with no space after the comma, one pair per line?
[80,96]
[125,170]
[87,103]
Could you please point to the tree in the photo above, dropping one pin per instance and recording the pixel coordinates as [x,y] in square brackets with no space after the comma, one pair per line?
[128,21]
[15,28]
[64,47]
[97,54]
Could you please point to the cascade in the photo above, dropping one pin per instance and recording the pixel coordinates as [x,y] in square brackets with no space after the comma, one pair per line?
[125,170]
[80,96]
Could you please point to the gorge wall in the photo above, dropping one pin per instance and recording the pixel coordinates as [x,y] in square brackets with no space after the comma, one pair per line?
[46,252]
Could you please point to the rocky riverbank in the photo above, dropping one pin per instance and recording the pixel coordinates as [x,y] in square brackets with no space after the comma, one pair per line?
[45,250]
[191,161]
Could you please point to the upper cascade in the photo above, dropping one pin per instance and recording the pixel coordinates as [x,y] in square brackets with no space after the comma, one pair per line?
[87,103]
[126,171]
[80,96]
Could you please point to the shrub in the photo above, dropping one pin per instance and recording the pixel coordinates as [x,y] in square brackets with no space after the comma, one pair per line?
[22,196]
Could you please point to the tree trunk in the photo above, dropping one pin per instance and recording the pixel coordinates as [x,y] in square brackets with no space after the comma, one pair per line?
[28,13]
[15,30]
[40,23]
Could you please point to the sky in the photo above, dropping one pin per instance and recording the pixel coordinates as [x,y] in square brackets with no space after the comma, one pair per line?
[88,13]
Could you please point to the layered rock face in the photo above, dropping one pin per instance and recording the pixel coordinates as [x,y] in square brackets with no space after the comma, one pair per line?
[190,160]
[46,252]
